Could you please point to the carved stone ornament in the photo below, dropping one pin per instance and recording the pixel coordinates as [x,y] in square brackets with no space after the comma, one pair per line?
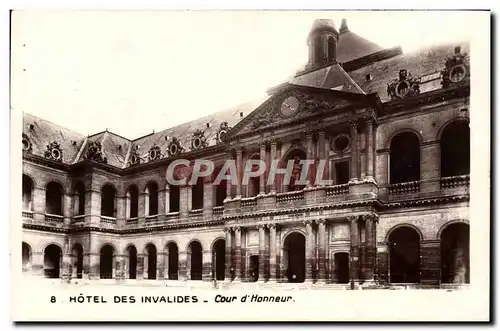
[154,153]
[456,68]
[54,151]
[174,147]
[199,140]
[26,143]
[404,86]
[134,156]
[94,152]
[313,103]
[264,117]
[223,129]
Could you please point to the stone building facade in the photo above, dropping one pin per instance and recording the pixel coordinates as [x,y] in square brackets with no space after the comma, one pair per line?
[392,125]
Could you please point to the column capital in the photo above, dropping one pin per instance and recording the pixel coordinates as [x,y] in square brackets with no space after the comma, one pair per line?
[227,229]
[236,228]
[321,132]
[273,141]
[321,221]
[272,225]
[307,222]
[353,124]
[370,217]
[352,218]
[261,226]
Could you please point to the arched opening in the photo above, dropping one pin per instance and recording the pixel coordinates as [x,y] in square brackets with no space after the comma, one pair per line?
[196,260]
[133,195]
[220,191]
[153,198]
[319,50]
[405,158]
[132,262]
[341,261]
[52,261]
[106,262]
[173,261]
[152,258]
[26,255]
[174,198]
[79,195]
[331,49]
[54,198]
[27,193]
[404,255]
[455,149]
[296,156]
[108,196]
[295,257]
[219,259]
[455,267]
[77,257]
[197,194]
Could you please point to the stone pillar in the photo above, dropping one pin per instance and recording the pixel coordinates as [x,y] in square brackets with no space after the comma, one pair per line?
[310,156]
[165,256]
[141,262]
[369,149]
[161,200]
[430,262]
[310,249]
[229,184]
[430,158]
[273,188]
[354,151]
[160,268]
[262,252]
[262,187]
[146,201]
[208,199]
[184,202]
[166,198]
[321,154]
[239,155]
[207,266]
[92,206]
[229,249]
[67,209]
[127,206]
[382,265]
[355,243]
[321,250]
[184,272]
[273,273]
[327,158]
[142,212]
[237,253]
[370,224]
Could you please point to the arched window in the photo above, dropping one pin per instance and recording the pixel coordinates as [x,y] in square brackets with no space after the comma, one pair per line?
[331,49]
[404,158]
[197,194]
[151,261]
[152,189]
[79,196]
[220,191]
[26,255]
[174,198]
[295,156]
[195,260]
[54,198]
[455,149]
[319,51]
[77,261]
[133,201]
[107,257]
[404,255]
[27,193]
[108,196]
[173,261]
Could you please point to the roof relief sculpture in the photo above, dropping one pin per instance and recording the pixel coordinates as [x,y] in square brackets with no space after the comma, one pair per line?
[54,151]
[95,153]
[199,140]
[404,86]
[456,68]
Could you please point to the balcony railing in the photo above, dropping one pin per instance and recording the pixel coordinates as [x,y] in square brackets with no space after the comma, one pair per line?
[172,215]
[289,196]
[151,218]
[455,181]
[133,220]
[248,202]
[78,219]
[108,219]
[342,189]
[54,218]
[27,214]
[405,188]
[195,212]
[218,210]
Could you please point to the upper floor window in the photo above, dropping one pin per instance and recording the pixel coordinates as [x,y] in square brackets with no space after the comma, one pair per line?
[455,149]
[133,201]
[108,196]
[79,195]
[54,198]
[404,158]
[152,192]
[27,192]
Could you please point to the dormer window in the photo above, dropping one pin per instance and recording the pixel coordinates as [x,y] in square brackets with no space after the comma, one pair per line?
[368,77]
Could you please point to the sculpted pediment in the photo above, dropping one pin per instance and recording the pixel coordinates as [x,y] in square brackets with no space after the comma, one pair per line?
[292,105]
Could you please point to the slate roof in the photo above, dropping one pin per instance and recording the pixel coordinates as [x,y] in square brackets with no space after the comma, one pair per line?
[332,77]
[351,46]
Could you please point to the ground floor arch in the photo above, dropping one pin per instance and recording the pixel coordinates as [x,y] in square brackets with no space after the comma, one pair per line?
[77,261]
[106,262]
[151,259]
[26,256]
[341,267]
[404,255]
[173,261]
[132,262]
[219,259]
[195,261]
[52,261]
[294,256]
[455,266]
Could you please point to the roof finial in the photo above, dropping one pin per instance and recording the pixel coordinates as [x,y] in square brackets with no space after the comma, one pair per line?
[343,26]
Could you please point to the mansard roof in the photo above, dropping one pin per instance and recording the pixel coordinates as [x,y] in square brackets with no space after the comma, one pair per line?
[351,46]
[332,78]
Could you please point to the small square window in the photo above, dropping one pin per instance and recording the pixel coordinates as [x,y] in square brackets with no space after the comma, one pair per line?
[368,77]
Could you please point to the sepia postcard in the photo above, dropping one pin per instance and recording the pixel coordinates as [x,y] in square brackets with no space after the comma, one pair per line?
[250,165]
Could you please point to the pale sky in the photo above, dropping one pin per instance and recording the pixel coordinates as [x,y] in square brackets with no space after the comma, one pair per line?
[138,71]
